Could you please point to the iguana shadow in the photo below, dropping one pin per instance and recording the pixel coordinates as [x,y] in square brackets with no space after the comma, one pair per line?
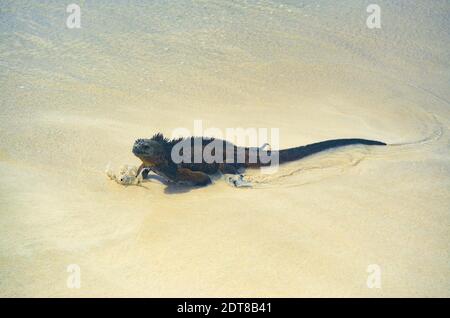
[171,188]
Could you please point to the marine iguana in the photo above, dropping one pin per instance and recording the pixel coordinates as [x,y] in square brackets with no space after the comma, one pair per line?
[156,155]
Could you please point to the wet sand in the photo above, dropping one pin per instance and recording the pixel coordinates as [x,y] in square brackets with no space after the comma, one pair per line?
[74,100]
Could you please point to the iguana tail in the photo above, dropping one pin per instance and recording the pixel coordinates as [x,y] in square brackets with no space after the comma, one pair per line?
[296,153]
[291,154]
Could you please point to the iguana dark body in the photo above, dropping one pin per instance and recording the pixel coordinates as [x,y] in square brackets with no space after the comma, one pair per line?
[155,154]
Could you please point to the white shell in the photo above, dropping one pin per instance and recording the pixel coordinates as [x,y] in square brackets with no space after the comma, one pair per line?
[125,176]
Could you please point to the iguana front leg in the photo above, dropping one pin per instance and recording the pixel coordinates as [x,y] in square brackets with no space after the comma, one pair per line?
[139,170]
[182,175]
[195,177]
[143,170]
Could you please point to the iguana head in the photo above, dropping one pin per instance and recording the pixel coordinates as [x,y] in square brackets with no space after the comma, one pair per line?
[150,151]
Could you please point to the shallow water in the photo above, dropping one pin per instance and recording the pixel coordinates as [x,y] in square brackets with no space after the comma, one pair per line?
[74,100]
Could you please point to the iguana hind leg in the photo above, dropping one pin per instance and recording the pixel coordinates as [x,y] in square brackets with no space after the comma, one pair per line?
[238,181]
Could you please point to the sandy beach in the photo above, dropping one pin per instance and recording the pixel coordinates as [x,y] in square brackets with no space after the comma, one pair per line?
[73,101]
